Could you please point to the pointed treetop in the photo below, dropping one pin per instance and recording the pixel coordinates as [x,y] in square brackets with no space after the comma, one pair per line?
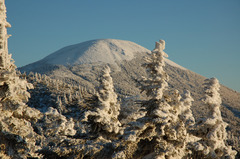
[159,47]
[3,15]
[5,58]
[2,6]
[106,70]
[212,95]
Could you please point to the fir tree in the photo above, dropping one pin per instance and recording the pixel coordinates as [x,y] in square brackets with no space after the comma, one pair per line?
[156,82]
[161,126]
[17,134]
[213,130]
[186,113]
[107,111]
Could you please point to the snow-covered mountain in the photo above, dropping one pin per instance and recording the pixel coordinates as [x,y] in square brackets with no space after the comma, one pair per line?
[103,50]
[81,63]
[94,51]
[79,66]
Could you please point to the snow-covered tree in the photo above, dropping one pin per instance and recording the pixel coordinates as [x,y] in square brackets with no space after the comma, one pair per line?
[13,89]
[156,82]
[59,105]
[70,98]
[16,132]
[213,130]
[58,124]
[130,110]
[186,113]
[65,100]
[161,127]
[105,115]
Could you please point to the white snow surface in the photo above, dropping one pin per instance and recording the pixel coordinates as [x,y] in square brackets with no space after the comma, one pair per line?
[101,50]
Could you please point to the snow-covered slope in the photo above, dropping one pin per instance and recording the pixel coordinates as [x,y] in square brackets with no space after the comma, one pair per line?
[102,50]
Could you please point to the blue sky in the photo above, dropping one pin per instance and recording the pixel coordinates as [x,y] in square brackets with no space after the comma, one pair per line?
[203,35]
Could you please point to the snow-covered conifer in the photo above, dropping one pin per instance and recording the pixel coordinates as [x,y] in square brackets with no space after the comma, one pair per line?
[161,124]
[186,113]
[57,85]
[70,95]
[59,104]
[65,99]
[58,124]
[157,80]
[17,134]
[107,110]
[155,84]
[213,129]
[36,76]
[13,89]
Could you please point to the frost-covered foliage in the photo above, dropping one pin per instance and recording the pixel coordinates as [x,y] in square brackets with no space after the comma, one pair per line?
[55,93]
[233,141]
[163,127]
[168,127]
[212,130]
[13,89]
[156,82]
[17,136]
[185,108]
[57,124]
[130,110]
[105,115]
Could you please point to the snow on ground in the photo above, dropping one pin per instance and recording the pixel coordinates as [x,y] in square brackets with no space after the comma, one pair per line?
[101,50]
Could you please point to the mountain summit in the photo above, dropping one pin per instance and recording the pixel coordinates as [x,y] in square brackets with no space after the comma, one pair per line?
[103,50]
[94,51]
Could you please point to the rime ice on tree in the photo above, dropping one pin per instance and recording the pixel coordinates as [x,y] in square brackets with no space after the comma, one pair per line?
[106,114]
[186,113]
[16,116]
[161,125]
[12,87]
[4,56]
[213,130]
[156,83]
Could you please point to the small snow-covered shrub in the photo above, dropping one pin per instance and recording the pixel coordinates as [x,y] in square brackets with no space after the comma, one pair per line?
[57,124]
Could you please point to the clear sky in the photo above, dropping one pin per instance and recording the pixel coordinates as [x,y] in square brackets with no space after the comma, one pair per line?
[201,35]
